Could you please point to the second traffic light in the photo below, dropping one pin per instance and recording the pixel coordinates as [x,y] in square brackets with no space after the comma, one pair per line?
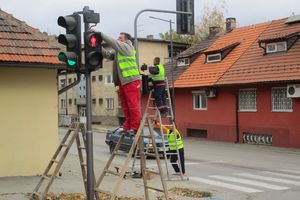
[72,41]
[92,50]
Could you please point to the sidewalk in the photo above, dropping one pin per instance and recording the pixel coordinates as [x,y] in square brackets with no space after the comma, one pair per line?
[17,188]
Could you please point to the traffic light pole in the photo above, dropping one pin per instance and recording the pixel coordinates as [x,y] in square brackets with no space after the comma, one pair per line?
[89,133]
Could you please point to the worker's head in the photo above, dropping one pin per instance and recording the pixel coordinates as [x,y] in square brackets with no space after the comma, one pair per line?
[123,37]
[156,61]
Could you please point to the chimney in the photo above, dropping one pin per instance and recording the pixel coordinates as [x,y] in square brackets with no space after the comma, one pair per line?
[150,37]
[230,24]
[213,31]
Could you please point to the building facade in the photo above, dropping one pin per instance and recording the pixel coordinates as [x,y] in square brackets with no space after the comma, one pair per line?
[238,89]
[28,85]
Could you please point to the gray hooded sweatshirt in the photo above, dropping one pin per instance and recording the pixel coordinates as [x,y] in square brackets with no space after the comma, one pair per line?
[126,49]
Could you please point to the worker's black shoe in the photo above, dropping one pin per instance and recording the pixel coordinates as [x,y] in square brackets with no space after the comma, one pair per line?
[131,133]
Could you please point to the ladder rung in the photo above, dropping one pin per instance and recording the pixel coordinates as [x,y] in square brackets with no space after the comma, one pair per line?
[36,193]
[72,129]
[146,136]
[150,154]
[103,191]
[152,107]
[121,153]
[152,172]
[63,145]
[153,188]
[81,147]
[83,164]
[55,161]
[46,177]
[112,172]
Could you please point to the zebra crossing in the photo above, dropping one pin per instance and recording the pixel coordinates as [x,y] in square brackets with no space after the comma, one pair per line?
[254,182]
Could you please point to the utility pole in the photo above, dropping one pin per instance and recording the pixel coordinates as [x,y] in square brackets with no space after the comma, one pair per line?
[172,59]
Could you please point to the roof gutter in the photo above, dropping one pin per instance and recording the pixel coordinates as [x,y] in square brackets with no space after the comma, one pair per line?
[32,65]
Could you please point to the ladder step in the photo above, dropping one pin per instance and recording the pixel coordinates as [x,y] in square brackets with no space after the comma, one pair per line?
[55,161]
[81,147]
[37,194]
[83,164]
[153,188]
[63,145]
[46,177]
[150,154]
[112,172]
[152,171]
[121,153]
[103,191]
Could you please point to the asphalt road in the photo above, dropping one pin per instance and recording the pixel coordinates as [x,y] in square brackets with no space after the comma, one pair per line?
[234,171]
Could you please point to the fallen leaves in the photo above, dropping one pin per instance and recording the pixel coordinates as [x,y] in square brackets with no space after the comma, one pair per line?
[189,192]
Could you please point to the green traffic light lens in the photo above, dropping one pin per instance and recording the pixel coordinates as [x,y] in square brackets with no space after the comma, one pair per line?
[70,62]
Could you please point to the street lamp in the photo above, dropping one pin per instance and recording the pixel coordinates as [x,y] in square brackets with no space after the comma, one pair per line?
[172,59]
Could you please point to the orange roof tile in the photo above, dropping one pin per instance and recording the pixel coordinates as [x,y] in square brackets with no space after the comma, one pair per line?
[207,74]
[255,67]
[20,43]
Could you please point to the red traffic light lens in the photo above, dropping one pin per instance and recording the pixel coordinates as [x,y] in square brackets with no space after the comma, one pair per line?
[93,41]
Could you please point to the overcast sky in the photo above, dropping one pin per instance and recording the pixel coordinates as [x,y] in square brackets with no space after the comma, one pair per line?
[118,15]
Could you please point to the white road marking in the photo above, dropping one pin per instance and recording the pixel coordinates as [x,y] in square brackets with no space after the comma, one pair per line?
[250,182]
[267,178]
[282,175]
[290,171]
[225,185]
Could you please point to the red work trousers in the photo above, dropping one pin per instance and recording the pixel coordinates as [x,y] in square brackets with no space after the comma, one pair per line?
[130,96]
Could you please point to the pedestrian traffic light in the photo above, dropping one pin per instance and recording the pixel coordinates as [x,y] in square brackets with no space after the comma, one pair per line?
[185,23]
[92,50]
[72,41]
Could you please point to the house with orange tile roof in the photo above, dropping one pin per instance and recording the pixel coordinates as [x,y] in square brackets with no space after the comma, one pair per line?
[28,86]
[245,87]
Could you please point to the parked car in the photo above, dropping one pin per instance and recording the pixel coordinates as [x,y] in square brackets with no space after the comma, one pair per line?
[112,138]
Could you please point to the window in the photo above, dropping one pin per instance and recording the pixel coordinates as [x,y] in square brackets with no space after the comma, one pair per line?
[70,80]
[93,78]
[213,58]
[70,101]
[63,83]
[100,77]
[247,100]
[108,79]
[94,101]
[280,102]
[183,62]
[75,102]
[109,104]
[276,47]
[100,101]
[199,101]
[62,103]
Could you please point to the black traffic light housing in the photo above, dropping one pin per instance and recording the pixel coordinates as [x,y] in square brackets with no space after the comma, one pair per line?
[185,23]
[92,50]
[72,41]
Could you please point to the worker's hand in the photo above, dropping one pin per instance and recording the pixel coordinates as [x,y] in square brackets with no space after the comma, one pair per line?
[144,67]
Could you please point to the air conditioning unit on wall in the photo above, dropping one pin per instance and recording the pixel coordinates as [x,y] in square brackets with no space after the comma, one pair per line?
[211,92]
[293,91]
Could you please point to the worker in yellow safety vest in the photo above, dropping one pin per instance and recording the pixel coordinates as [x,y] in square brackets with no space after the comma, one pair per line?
[172,149]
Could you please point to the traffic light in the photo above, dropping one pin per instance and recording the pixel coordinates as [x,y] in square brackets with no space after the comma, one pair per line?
[185,23]
[72,41]
[92,50]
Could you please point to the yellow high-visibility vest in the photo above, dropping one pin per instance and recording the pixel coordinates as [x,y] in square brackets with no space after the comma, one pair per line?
[128,65]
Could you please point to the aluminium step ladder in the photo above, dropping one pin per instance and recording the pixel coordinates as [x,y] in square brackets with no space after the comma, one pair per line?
[120,174]
[51,171]
[169,123]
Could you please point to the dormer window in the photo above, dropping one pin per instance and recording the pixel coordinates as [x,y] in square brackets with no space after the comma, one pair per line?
[276,47]
[183,62]
[219,51]
[210,58]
